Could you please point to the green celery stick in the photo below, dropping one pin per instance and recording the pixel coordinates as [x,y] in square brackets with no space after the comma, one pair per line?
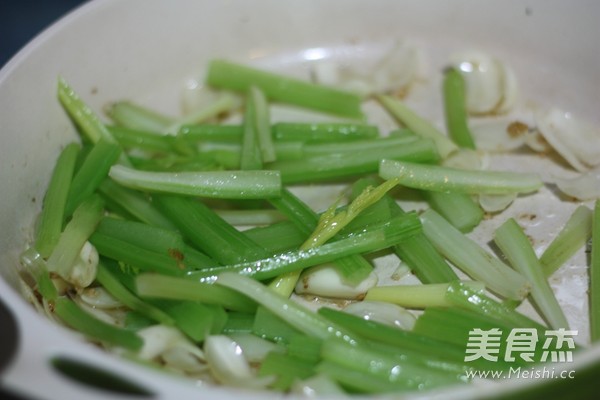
[135,204]
[250,153]
[212,133]
[262,123]
[227,75]
[417,296]
[571,238]
[98,330]
[335,132]
[458,208]
[207,231]
[134,116]
[455,107]
[113,286]
[53,211]
[417,124]
[516,247]
[472,259]
[215,184]
[446,179]
[77,231]
[344,165]
[92,172]
[150,285]
[130,138]
[374,239]
[286,368]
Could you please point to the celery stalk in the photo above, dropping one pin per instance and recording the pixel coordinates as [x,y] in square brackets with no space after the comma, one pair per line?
[517,249]
[571,238]
[446,179]
[594,276]
[456,109]
[228,75]
[215,184]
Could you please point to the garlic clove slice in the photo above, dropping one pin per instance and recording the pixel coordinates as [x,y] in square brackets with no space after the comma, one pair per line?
[386,313]
[324,280]
[576,140]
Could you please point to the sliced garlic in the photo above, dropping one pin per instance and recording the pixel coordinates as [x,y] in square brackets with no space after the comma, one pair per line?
[499,135]
[491,85]
[584,187]
[228,364]
[496,202]
[577,141]
[325,280]
[84,271]
[160,338]
[386,313]
[255,349]
[98,297]
[393,72]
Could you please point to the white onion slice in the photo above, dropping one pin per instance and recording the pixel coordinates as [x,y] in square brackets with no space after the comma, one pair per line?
[386,313]
[584,187]
[491,85]
[181,359]
[577,141]
[324,280]
[84,271]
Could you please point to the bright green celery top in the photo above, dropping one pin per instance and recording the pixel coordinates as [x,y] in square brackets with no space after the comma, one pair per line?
[53,211]
[227,75]
[446,179]
[516,247]
[329,224]
[418,252]
[455,107]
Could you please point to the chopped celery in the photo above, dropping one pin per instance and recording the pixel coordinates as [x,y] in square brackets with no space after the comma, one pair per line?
[417,124]
[83,116]
[207,231]
[458,208]
[262,124]
[473,259]
[372,240]
[344,165]
[81,226]
[112,284]
[516,247]
[228,75]
[287,368]
[52,216]
[173,288]
[417,296]
[94,328]
[323,132]
[92,172]
[217,184]
[135,116]
[455,108]
[293,313]
[446,179]
[250,153]
[571,238]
